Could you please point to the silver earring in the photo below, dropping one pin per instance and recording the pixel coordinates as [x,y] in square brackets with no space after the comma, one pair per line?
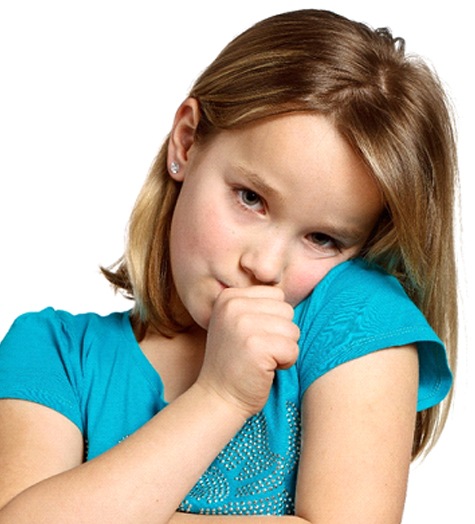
[174,167]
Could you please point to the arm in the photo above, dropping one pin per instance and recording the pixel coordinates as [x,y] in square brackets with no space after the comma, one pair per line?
[351,420]
[358,432]
[164,457]
[358,424]
[145,477]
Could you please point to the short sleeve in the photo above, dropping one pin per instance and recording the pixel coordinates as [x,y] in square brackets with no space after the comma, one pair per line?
[358,309]
[36,351]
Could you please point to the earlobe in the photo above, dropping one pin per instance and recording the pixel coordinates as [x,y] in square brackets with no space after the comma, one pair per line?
[182,137]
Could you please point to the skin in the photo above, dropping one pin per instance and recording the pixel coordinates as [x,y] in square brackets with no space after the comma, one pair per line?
[263,214]
[278,204]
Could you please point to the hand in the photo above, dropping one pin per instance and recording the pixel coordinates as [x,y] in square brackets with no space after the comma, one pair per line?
[250,335]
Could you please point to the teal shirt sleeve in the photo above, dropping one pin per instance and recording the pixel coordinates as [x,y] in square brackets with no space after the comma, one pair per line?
[358,309]
[40,348]
[87,367]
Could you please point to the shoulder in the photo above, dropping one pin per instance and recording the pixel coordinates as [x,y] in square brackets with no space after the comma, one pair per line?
[56,325]
[50,356]
[361,297]
[62,339]
[356,282]
[357,309]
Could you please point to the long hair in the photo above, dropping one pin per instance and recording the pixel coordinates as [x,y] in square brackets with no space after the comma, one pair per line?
[392,110]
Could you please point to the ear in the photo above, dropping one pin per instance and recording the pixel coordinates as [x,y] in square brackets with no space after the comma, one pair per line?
[182,136]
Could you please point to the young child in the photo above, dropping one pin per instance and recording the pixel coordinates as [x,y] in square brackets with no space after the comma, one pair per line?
[291,262]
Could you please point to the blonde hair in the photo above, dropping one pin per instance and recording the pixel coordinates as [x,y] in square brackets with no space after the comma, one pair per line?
[390,107]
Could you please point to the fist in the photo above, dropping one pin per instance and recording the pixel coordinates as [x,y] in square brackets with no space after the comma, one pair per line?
[250,335]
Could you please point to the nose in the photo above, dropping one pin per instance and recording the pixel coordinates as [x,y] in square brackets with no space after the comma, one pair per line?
[264,261]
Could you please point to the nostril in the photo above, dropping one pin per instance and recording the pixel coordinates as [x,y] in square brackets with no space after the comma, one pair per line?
[262,270]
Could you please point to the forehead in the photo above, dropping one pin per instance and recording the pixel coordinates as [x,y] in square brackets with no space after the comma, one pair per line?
[293,142]
[303,157]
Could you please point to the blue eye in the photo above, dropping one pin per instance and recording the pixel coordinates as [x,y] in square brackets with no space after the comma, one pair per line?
[321,239]
[250,199]
[325,244]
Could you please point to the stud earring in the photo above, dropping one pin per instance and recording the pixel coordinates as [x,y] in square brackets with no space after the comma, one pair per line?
[174,167]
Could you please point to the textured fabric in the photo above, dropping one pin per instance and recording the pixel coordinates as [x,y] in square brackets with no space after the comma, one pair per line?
[91,369]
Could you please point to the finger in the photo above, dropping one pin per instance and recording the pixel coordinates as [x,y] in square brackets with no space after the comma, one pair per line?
[255,292]
[237,303]
[270,324]
[281,351]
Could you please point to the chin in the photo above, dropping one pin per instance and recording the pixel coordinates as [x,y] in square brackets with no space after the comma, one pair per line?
[202,321]
[198,316]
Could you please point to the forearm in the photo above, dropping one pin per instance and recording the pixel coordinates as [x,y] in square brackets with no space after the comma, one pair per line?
[144,478]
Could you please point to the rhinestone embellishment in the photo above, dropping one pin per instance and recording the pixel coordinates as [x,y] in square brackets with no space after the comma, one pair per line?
[248,477]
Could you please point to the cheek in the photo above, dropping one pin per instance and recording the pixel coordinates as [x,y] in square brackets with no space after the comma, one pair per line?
[301,281]
[299,285]
[197,230]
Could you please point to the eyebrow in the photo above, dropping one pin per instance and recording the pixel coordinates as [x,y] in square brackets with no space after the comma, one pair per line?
[344,233]
[258,182]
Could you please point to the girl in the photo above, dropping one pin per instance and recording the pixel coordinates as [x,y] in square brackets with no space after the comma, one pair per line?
[292,238]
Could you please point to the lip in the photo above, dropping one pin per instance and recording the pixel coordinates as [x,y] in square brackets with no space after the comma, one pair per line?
[222,284]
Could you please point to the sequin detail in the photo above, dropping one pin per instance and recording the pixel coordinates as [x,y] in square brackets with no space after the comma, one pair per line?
[248,477]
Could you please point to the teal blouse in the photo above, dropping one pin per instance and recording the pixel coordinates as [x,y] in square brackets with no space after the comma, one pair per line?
[91,369]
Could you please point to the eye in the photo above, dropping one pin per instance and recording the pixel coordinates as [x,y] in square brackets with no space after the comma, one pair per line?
[324,244]
[250,199]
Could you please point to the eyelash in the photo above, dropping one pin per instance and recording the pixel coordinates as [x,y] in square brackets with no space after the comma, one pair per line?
[315,239]
[241,192]
[335,246]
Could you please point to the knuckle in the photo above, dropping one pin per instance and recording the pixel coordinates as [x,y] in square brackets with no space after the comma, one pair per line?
[229,303]
[226,295]
[245,323]
[254,342]
[288,310]
[295,332]
[278,293]
[290,355]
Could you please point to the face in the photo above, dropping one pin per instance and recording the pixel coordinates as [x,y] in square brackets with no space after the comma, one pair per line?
[277,203]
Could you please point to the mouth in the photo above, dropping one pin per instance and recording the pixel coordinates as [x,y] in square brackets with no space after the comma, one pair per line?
[222,284]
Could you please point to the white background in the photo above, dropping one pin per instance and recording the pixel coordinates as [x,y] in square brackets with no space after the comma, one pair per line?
[88,90]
